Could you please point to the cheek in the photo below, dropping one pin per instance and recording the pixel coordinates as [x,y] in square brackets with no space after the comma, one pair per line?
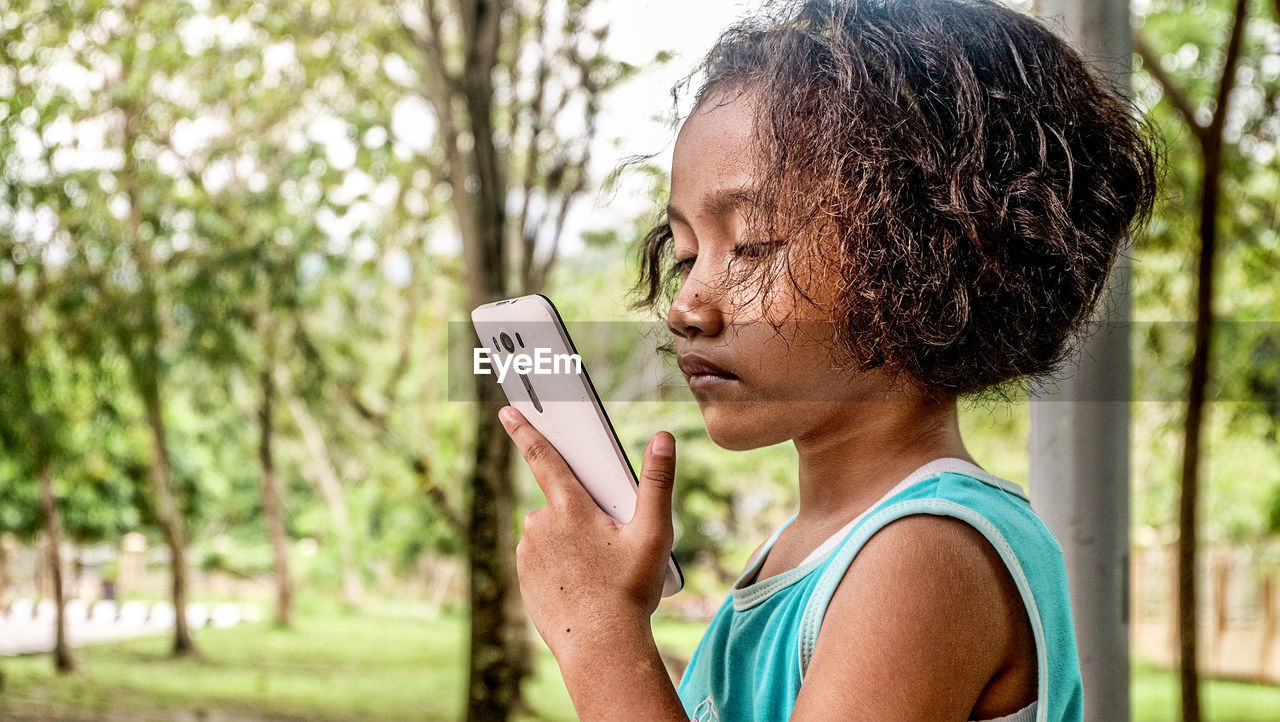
[782,380]
[789,378]
[794,363]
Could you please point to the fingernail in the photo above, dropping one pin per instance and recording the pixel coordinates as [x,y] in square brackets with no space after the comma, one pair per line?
[664,445]
[507,416]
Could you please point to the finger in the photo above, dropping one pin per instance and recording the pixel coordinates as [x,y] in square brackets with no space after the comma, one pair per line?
[657,480]
[549,469]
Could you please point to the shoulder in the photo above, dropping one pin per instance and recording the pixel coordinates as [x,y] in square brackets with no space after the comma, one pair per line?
[923,620]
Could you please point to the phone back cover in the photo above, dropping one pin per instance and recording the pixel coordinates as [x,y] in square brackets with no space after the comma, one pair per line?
[570,418]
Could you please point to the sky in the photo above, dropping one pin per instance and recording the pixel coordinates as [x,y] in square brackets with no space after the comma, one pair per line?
[639,29]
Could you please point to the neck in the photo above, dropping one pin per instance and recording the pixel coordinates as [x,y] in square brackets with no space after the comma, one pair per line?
[863,449]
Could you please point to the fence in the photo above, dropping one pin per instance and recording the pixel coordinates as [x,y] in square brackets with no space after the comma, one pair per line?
[1239,617]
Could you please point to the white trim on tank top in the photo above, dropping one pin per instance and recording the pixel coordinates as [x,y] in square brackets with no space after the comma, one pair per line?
[936,466]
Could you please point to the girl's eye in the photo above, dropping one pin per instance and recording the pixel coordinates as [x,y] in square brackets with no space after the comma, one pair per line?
[755,250]
[750,251]
[682,266]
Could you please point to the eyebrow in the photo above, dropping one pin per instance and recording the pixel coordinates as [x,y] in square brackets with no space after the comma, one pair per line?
[717,203]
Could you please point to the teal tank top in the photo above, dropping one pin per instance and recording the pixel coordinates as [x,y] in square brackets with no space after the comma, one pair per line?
[752,659]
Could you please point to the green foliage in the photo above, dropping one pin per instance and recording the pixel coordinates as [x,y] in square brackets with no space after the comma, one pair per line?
[1239,473]
[179,208]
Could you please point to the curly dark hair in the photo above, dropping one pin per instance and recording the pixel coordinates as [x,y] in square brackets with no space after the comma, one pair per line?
[961,168]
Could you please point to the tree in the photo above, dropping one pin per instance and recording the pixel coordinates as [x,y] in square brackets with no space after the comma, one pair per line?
[1210,142]
[474,77]
[329,486]
[29,422]
[191,226]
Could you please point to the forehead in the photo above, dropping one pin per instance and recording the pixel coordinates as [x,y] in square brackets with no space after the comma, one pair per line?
[714,149]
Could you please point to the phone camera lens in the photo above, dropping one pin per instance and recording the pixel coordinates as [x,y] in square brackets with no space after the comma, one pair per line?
[506,342]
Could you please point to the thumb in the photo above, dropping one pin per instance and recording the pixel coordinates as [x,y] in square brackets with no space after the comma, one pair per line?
[657,479]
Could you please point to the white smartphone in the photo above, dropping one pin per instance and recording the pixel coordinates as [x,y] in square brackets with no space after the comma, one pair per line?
[550,386]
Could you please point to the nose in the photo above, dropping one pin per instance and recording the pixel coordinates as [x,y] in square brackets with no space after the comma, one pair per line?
[695,311]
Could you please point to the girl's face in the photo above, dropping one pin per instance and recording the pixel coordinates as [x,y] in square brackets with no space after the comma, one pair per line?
[784,379]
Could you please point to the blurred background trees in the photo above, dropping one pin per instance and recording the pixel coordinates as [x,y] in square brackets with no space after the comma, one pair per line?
[238,242]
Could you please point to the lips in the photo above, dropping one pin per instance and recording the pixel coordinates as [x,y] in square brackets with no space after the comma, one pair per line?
[692,364]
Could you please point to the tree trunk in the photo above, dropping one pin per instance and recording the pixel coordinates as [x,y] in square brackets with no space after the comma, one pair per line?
[1221,571]
[1211,151]
[1187,530]
[1268,605]
[141,346]
[6,566]
[169,517]
[499,656]
[62,659]
[477,169]
[77,569]
[1188,501]
[330,488]
[271,503]
[1210,142]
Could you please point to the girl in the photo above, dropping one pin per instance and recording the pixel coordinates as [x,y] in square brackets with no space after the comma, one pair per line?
[876,207]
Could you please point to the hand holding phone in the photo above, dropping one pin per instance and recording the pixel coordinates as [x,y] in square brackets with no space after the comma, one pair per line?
[528,349]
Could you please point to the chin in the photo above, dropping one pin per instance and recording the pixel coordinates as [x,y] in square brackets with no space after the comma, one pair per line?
[740,427]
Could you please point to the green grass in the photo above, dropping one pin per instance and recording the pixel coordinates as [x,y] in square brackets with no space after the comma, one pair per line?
[387,663]
[1155,698]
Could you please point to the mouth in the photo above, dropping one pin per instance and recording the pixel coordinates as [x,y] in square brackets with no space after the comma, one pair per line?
[705,382]
[702,373]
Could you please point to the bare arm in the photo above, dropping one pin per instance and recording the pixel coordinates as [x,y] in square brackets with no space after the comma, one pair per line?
[925,620]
